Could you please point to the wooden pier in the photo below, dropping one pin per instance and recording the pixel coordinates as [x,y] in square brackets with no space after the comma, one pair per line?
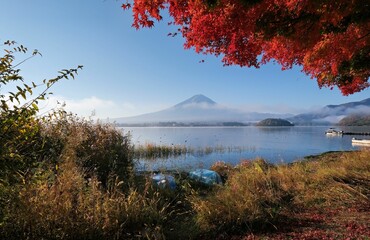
[357,133]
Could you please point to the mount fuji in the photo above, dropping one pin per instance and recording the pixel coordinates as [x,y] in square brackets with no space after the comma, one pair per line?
[198,109]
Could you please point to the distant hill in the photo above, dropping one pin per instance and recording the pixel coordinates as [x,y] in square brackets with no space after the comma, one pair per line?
[355,120]
[350,105]
[332,114]
[198,110]
[274,122]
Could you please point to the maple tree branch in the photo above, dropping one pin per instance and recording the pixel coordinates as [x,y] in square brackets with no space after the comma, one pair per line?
[367,34]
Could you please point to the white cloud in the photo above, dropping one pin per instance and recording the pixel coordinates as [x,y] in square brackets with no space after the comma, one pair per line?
[276,109]
[332,119]
[91,106]
[359,110]
[248,108]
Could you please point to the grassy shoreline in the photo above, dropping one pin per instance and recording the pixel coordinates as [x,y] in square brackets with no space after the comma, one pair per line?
[325,196]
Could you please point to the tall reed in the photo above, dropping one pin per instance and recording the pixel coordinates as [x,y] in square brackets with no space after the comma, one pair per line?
[66,205]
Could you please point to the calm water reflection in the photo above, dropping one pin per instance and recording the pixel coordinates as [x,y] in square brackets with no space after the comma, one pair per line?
[275,144]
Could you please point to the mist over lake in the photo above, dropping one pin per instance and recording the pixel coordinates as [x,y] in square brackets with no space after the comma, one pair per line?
[274,144]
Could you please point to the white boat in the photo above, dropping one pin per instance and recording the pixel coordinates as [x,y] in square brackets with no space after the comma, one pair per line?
[332,131]
[363,142]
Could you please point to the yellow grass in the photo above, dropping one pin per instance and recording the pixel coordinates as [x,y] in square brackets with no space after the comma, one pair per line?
[257,193]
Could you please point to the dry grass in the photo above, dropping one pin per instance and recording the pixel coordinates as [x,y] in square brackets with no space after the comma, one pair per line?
[153,151]
[71,206]
[252,195]
[82,188]
[258,194]
[100,149]
[332,179]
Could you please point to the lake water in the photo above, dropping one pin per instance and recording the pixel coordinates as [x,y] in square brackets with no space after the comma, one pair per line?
[274,144]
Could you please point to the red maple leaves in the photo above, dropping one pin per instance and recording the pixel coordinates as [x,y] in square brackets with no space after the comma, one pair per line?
[330,39]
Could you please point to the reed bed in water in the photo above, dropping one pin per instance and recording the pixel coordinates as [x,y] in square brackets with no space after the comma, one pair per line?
[152,151]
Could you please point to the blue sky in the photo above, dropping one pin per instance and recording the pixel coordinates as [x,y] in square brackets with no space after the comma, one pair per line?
[129,72]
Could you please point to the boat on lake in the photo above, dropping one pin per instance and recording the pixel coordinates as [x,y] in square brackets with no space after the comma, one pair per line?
[363,142]
[333,132]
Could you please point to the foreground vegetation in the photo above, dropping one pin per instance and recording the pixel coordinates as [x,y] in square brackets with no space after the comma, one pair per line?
[258,200]
[63,177]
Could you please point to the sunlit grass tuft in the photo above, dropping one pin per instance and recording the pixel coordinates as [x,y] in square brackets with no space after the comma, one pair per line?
[256,193]
[72,206]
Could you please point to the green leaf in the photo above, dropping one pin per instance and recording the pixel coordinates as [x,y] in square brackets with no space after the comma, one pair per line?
[23,94]
[34,105]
